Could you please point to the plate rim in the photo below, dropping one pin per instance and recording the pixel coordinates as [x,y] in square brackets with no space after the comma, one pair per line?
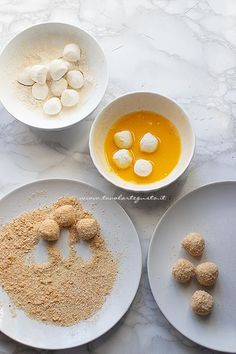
[138,266]
[219,182]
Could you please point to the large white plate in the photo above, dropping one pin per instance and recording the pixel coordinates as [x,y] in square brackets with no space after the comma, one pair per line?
[211,210]
[121,238]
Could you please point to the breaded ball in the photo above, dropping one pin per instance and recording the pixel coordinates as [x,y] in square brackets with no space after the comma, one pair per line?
[183,270]
[194,244]
[49,230]
[207,273]
[202,303]
[65,216]
[87,228]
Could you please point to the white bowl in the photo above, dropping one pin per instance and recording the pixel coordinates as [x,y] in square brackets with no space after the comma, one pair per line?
[40,39]
[132,102]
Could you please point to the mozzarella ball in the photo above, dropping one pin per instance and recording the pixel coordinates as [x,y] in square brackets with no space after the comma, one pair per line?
[87,228]
[123,139]
[71,52]
[48,76]
[194,244]
[148,143]
[202,303]
[49,230]
[57,87]
[57,69]
[122,158]
[24,77]
[40,92]
[142,168]
[65,216]
[75,79]
[69,98]
[70,65]
[183,270]
[52,106]
[207,273]
[39,74]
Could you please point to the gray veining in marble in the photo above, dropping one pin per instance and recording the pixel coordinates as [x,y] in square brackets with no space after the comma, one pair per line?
[182,48]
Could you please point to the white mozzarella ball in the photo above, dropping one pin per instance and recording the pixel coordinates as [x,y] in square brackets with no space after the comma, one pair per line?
[24,77]
[75,79]
[48,77]
[122,158]
[70,66]
[52,106]
[57,69]
[69,98]
[40,92]
[148,143]
[123,139]
[39,73]
[142,168]
[71,52]
[57,87]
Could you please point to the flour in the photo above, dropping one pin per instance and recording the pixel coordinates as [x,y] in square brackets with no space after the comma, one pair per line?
[43,52]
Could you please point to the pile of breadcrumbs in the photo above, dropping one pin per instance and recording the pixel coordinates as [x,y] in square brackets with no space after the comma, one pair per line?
[62,291]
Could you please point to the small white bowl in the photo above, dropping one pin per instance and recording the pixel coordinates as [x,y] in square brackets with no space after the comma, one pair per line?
[39,39]
[137,101]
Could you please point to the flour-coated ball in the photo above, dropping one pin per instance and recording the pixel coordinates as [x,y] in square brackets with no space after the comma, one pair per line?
[52,106]
[39,73]
[71,52]
[75,79]
[57,69]
[24,77]
[57,87]
[40,92]
[69,98]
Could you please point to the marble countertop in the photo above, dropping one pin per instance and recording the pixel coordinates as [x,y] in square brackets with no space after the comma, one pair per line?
[185,49]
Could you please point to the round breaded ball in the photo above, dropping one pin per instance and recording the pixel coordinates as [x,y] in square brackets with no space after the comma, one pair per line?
[183,270]
[194,244]
[65,216]
[49,230]
[202,303]
[87,228]
[207,273]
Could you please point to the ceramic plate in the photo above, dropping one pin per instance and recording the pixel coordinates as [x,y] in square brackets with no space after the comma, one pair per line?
[121,237]
[210,210]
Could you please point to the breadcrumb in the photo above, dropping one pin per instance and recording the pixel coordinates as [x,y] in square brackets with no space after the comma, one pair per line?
[202,303]
[207,273]
[183,270]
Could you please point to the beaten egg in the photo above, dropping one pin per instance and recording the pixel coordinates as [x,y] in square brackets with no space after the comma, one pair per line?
[163,159]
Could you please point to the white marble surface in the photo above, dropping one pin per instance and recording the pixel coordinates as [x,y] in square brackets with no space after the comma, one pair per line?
[182,48]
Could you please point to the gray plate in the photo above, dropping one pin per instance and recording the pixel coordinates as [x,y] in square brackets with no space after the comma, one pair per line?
[210,210]
[121,237]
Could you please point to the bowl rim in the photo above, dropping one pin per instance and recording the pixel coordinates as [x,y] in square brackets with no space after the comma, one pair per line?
[106,77]
[142,188]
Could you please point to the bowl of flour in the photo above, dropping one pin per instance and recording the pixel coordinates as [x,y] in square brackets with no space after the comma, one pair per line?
[38,47]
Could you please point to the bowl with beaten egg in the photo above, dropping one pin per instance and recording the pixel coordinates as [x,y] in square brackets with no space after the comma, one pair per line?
[142,141]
